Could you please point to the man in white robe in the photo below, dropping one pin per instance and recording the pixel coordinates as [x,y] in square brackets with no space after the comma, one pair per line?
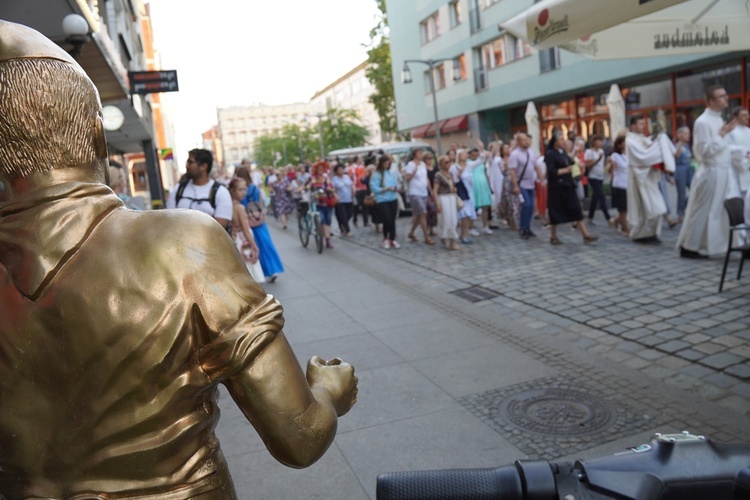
[739,139]
[646,206]
[705,228]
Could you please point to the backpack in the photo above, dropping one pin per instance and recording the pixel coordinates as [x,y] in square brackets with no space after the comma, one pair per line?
[211,197]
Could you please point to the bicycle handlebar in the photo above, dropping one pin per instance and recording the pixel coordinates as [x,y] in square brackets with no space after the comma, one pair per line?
[670,467]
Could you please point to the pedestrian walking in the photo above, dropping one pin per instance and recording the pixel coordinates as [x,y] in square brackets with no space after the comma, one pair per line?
[344,187]
[462,179]
[384,186]
[563,205]
[509,203]
[415,173]
[684,172]
[523,176]
[269,258]
[361,189]
[284,196]
[197,191]
[618,167]
[324,197]
[241,232]
[480,185]
[495,168]
[432,169]
[704,230]
[594,158]
[446,202]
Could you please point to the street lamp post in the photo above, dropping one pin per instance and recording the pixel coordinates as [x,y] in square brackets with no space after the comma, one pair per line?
[431,63]
[76,30]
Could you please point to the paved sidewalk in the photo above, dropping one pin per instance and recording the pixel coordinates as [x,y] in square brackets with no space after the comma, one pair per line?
[446,382]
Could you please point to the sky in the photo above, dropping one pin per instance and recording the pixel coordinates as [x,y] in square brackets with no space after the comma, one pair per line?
[240,52]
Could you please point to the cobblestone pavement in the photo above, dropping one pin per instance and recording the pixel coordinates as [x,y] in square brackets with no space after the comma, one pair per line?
[639,306]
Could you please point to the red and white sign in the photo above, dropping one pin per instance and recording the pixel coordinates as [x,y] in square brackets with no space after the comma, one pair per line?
[555,22]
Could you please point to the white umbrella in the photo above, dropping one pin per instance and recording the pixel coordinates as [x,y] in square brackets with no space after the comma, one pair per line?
[616,106]
[532,126]
[696,26]
[554,22]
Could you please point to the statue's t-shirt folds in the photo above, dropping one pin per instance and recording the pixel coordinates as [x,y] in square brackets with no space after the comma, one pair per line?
[117,325]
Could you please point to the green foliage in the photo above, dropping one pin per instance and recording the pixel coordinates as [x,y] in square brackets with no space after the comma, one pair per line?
[296,142]
[379,73]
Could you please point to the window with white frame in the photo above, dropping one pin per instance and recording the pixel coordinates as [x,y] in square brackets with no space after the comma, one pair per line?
[454,8]
[438,76]
[430,27]
[503,50]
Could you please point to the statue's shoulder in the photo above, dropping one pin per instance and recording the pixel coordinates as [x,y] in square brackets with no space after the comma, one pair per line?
[181,227]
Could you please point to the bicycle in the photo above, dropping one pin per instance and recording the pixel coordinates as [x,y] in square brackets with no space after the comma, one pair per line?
[308,222]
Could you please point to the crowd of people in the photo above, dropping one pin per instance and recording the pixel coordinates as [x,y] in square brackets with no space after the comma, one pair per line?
[471,191]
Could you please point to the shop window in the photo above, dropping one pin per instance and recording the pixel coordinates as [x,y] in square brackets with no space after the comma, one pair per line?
[454,8]
[650,95]
[692,87]
[430,27]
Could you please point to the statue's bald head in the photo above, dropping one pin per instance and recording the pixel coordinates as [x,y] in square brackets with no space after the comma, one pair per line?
[50,114]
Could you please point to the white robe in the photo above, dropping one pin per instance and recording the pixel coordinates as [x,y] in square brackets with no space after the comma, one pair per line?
[739,138]
[705,228]
[646,205]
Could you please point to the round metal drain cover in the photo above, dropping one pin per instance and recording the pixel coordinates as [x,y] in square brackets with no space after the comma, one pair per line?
[560,412]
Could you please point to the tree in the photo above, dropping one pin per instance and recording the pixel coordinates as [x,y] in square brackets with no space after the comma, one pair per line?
[294,143]
[342,129]
[380,74]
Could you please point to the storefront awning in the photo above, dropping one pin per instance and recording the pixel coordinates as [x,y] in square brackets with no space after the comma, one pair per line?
[456,124]
[420,131]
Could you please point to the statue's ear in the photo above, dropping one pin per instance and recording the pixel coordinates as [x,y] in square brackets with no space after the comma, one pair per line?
[100,141]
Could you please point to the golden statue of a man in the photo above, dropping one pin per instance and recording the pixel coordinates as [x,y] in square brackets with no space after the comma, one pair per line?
[118,325]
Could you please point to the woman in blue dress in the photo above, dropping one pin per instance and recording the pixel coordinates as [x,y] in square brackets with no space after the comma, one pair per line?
[269,257]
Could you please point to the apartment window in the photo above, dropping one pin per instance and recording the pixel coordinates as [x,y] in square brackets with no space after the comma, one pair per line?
[438,76]
[475,18]
[489,3]
[462,65]
[549,59]
[454,8]
[430,27]
[503,50]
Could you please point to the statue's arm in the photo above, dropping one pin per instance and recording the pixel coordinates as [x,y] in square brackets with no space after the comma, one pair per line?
[294,415]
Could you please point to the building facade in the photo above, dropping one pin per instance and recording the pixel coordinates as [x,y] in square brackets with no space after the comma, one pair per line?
[499,74]
[351,91]
[119,39]
[240,126]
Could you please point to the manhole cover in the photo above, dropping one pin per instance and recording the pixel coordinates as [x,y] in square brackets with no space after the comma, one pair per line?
[556,416]
[558,412]
[475,293]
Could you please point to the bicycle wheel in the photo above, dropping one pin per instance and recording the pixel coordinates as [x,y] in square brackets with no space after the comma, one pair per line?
[303,224]
[318,233]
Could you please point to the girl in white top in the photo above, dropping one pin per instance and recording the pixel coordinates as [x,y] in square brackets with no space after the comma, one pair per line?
[617,165]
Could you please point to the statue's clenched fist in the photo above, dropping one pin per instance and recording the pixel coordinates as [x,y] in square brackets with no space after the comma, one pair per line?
[336,377]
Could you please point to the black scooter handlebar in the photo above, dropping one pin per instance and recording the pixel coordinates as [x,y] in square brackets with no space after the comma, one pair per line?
[670,467]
